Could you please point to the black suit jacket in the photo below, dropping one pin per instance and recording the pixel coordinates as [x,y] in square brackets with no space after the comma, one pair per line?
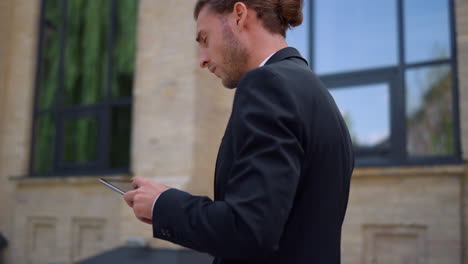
[282,175]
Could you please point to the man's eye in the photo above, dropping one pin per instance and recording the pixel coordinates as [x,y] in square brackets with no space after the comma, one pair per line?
[205,39]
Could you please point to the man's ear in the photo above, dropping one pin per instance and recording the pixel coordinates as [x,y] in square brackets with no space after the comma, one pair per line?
[239,12]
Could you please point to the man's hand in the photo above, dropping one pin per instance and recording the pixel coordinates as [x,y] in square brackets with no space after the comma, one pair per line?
[142,198]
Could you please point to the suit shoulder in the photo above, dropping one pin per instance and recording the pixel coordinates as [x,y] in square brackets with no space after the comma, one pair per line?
[261,74]
[271,75]
[297,77]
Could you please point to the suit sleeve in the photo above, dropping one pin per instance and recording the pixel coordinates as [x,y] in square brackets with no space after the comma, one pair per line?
[261,185]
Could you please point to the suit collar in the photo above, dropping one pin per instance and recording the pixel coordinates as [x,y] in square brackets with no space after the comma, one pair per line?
[285,53]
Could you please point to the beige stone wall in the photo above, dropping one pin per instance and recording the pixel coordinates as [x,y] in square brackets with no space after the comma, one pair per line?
[180,111]
[213,108]
[19,87]
[164,92]
[462,45]
[404,215]
[63,220]
[164,98]
[19,23]
[5,15]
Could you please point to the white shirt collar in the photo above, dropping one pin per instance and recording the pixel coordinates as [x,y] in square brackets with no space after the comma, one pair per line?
[263,63]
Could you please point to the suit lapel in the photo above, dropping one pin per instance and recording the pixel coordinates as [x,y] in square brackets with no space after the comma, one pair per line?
[217,180]
[224,159]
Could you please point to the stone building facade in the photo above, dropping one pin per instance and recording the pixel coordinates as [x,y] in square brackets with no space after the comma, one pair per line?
[416,214]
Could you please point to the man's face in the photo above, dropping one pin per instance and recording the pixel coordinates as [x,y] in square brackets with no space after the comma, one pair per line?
[220,49]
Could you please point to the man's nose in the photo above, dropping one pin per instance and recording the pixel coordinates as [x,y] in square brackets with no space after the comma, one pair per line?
[204,59]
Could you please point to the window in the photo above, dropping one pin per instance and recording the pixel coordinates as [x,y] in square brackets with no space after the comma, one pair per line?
[390,66]
[82,108]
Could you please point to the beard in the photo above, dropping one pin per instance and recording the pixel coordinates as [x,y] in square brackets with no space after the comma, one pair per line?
[235,59]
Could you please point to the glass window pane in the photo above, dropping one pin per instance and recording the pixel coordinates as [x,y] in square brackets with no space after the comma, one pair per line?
[354,35]
[86,51]
[299,37]
[427,30]
[124,49]
[369,123]
[48,79]
[80,140]
[44,144]
[120,137]
[429,115]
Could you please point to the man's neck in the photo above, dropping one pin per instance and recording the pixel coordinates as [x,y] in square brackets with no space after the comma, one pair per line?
[263,46]
[265,61]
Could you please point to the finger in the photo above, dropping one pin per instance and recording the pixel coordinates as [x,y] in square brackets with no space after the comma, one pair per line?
[138,181]
[129,197]
[146,220]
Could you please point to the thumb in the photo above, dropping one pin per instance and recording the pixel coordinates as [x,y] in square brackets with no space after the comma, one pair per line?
[129,196]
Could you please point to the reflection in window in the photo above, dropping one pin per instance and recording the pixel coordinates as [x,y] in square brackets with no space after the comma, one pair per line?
[354,35]
[429,115]
[358,42]
[368,121]
[123,55]
[80,140]
[119,150]
[48,79]
[426,30]
[45,143]
[85,51]
[86,67]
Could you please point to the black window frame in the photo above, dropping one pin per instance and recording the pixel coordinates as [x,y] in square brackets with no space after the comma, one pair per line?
[398,155]
[102,110]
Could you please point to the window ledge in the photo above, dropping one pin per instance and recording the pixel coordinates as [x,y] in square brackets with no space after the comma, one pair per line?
[29,180]
[432,170]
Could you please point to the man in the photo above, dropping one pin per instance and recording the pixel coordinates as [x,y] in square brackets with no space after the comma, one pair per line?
[284,165]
